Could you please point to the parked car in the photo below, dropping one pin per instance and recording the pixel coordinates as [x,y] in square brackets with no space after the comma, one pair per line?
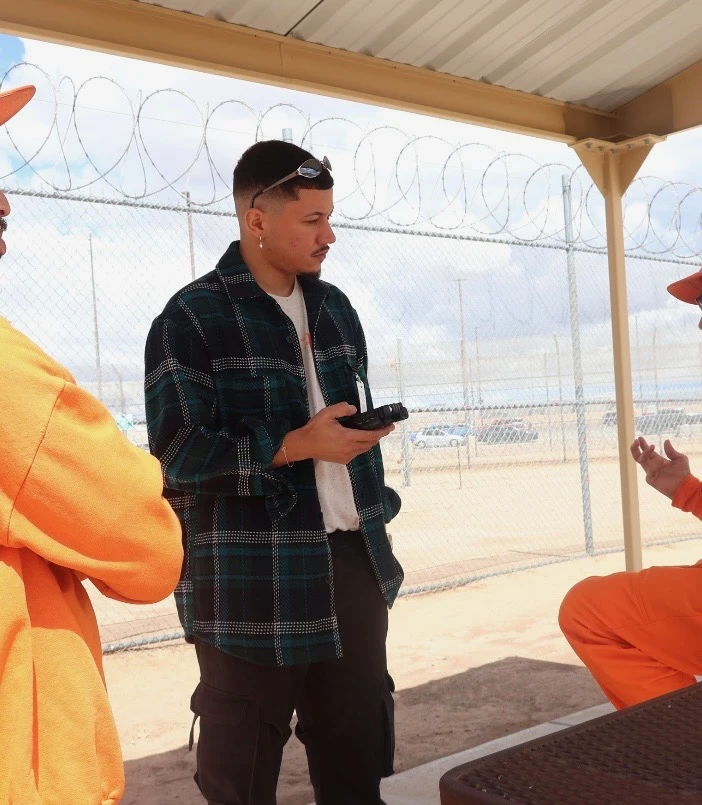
[460,430]
[665,420]
[437,437]
[508,430]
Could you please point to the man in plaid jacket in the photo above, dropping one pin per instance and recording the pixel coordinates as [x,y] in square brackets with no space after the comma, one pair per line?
[288,573]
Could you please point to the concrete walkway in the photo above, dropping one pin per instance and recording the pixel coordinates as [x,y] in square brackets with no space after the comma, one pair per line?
[420,786]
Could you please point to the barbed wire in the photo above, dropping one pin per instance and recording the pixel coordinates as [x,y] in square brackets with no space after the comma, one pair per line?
[94,136]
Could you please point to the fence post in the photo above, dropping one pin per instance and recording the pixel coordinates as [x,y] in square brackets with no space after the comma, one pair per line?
[577,368]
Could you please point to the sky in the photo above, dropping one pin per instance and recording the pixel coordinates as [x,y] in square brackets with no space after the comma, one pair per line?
[454,178]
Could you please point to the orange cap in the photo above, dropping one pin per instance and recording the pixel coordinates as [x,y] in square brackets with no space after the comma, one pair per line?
[12,100]
[688,289]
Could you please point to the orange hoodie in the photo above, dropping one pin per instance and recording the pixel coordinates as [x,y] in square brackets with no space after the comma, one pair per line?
[77,501]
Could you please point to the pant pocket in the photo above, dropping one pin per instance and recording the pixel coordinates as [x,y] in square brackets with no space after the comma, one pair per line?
[227,745]
[218,705]
[388,715]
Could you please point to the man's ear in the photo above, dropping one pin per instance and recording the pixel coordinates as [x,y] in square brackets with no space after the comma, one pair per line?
[253,223]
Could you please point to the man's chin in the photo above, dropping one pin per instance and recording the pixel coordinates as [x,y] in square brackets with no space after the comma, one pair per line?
[310,271]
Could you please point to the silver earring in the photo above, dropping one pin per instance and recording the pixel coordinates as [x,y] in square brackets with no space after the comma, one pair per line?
[260,241]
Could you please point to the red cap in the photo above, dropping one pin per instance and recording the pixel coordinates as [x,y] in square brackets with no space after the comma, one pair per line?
[687,289]
[12,100]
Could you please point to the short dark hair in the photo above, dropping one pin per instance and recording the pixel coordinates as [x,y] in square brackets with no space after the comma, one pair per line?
[266,162]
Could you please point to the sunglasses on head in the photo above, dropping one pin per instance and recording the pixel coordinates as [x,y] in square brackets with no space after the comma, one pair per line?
[310,169]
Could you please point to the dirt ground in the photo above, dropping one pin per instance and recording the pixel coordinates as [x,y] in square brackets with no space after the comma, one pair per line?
[470,665]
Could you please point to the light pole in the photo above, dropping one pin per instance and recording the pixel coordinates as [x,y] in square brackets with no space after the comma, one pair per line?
[465,373]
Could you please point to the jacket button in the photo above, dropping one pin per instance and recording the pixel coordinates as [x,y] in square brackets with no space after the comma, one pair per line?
[327,579]
[290,339]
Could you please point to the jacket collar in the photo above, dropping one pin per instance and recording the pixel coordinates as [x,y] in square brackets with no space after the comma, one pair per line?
[240,283]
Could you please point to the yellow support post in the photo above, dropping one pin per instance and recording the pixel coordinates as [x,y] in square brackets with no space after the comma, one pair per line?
[613,167]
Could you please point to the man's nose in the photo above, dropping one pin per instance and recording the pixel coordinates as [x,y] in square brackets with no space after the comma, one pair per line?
[4,205]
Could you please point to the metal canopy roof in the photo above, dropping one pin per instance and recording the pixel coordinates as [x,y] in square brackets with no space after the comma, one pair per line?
[598,53]
[603,69]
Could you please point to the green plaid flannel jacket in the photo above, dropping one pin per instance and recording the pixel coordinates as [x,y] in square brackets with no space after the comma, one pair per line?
[224,383]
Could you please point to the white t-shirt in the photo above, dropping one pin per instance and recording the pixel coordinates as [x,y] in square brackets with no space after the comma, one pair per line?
[333,480]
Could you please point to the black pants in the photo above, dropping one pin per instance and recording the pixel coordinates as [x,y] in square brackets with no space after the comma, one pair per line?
[344,707]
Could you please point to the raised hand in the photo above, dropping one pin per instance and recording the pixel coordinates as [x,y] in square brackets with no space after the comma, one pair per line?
[663,474]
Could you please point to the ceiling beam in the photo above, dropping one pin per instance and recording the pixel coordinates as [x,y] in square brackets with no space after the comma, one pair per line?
[674,105]
[143,31]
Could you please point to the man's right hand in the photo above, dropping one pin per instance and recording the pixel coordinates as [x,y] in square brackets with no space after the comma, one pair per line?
[663,474]
[325,439]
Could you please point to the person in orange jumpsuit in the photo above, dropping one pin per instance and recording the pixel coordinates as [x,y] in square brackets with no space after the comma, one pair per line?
[78,502]
[640,633]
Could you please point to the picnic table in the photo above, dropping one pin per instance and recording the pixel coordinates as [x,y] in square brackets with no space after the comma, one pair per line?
[649,754]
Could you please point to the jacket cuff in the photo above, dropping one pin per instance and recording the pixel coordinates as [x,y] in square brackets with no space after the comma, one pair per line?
[684,494]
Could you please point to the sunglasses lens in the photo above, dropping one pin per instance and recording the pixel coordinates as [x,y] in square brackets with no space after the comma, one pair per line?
[308,172]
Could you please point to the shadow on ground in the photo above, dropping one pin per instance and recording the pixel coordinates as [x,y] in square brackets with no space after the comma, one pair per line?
[435,719]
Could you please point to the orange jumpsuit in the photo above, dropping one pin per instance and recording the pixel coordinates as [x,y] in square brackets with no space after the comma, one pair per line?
[640,633]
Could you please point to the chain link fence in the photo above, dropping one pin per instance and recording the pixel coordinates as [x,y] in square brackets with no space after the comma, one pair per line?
[501,351]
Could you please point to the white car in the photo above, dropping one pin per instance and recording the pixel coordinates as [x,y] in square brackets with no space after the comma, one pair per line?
[437,437]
